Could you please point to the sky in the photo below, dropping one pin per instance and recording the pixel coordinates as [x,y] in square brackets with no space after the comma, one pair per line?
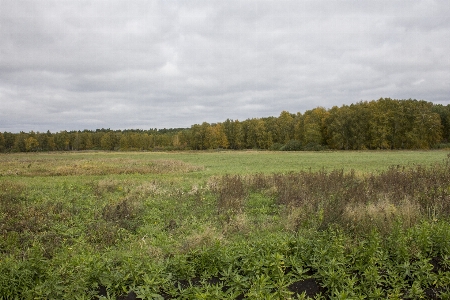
[75,65]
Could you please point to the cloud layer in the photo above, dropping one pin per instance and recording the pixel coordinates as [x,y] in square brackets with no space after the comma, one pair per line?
[74,65]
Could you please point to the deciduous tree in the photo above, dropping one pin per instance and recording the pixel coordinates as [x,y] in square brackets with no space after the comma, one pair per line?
[31,144]
[235,134]
[2,142]
[314,126]
[284,128]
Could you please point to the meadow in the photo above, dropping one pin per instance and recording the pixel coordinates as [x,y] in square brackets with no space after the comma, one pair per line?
[225,225]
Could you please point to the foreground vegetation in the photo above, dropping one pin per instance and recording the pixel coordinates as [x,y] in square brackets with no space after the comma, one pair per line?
[225,225]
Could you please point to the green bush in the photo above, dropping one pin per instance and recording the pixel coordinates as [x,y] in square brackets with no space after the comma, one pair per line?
[314,147]
[292,145]
[276,147]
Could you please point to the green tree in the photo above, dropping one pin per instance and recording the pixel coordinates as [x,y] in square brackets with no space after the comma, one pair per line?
[338,127]
[235,134]
[176,141]
[138,141]
[444,115]
[255,133]
[284,128]
[76,140]
[381,124]
[107,141]
[198,136]
[51,143]
[146,140]
[400,122]
[10,140]
[19,142]
[299,132]
[426,127]
[124,142]
[183,139]
[272,135]
[163,140]
[42,140]
[86,137]
[314,126]
[2,142]
[96,139]
[215,137]
[31,144]
[62,141]
[360,115]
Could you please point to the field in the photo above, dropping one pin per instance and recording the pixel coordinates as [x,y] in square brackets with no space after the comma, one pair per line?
[225,225]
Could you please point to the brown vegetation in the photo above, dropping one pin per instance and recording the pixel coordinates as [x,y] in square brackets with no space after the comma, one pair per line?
[95,167]
[352,202]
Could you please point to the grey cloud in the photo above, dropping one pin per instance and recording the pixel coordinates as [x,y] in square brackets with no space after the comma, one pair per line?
[122,64]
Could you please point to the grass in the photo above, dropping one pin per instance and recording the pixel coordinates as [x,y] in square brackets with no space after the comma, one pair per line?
[225,225]
[210,163]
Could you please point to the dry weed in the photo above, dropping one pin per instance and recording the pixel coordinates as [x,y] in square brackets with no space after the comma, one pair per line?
[148,189]
[237,223]
[11,191]
[258,182]
[102,233]
[232,194]
[147,248]
[96,167]
[293,217]
[106,186]
[335,198]
[213,183]
[125,213]
[206,237]
[382,215]
[169,166]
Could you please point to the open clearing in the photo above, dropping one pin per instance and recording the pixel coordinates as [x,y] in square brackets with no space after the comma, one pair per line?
[217,163]
[225,225]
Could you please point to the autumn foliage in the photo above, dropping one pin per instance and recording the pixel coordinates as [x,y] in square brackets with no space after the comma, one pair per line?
[380,124]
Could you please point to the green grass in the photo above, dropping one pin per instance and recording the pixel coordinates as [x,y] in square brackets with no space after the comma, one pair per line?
[221,225]
[226,162]
[276,162]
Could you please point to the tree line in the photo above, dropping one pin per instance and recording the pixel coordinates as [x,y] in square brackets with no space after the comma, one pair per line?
[379,124]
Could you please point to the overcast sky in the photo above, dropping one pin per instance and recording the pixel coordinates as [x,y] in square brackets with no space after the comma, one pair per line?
[74,65]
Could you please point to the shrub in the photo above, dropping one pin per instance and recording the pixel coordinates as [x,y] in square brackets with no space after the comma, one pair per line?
[292,145]
[314,147]
[276,147]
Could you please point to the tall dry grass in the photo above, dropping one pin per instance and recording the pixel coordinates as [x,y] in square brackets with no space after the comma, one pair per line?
[355,203]
[232,194]
[103,166]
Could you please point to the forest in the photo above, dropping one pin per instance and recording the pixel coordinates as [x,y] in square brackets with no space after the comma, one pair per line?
[378,124]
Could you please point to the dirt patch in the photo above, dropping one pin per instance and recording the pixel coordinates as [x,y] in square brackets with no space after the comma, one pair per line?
[308,286]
